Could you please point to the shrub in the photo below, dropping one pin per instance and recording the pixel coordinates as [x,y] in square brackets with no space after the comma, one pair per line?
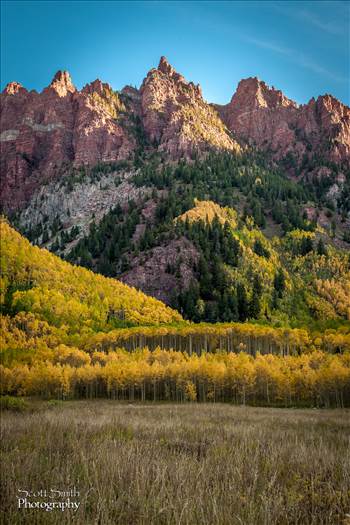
[16,404]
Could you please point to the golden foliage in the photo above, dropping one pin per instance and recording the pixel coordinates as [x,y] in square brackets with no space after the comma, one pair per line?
[317,378]
[337,293]
[207,211]
[35,280]
[201,123]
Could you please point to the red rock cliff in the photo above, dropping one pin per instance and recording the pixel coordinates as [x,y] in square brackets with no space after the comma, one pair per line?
[263,116]
[176,117]
[42,131]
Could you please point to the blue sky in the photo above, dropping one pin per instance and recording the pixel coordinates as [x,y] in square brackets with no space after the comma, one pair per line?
[299,47]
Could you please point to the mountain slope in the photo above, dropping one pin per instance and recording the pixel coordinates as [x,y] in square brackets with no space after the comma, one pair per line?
[44,136]
[224,212]
[43,133]
[213,264]
[34,280]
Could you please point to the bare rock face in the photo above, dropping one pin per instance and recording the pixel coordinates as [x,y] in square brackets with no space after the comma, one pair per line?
[40,132]
[62,84]
[98,135]
[325,123]
[264,117]
[153,271]
[175,116]
[260,115]
[13,87]
[61,126]
[43,134]
[77,203]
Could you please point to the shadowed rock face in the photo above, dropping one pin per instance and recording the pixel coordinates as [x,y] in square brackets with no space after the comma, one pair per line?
[43,133]
[263,116]
[149,272]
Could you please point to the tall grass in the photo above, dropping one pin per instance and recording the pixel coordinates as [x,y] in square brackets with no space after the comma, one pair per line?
[178,464]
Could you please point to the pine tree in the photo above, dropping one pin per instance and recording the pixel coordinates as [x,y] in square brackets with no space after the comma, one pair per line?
[260,250]
[204,279]
[242,302]
[279,282]
[321,248]
[255,302]
[306,246]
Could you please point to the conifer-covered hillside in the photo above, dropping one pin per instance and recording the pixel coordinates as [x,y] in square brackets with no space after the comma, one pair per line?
[220,238]
[242,274]
[35,280]
[215,263]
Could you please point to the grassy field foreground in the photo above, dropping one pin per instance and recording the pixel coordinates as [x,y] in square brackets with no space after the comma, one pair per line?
[178,464]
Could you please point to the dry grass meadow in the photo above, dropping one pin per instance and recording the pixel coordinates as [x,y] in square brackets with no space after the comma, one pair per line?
[208,464]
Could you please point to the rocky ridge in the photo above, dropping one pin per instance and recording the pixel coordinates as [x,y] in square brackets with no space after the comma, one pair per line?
[173,262]
[40,132]
[46,136]
[264,117]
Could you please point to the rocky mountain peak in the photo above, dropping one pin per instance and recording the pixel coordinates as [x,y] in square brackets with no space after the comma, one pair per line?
[165,67]
[175,116]
[265,117]
[12,88]
[255,92]
[97,86]
[166,77]
[332,105]
[62,84]
[64,125]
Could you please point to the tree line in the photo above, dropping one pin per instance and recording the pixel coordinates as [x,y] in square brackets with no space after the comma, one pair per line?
[316,379]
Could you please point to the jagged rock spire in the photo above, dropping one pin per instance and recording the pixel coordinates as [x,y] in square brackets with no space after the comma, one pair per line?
[165,67]
[62,83]
[12,88]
